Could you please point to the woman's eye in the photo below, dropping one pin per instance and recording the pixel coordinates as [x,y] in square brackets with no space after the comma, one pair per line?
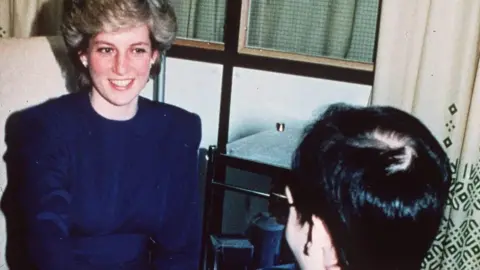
[139,50]
[105,50]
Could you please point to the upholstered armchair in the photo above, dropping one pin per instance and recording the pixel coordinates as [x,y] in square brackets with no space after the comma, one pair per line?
[32,70]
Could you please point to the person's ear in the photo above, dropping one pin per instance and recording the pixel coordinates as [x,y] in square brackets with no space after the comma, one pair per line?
[322,240]
[155,56]
[320,232]
[83,59]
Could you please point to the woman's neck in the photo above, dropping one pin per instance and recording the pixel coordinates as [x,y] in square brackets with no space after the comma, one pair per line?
[111,111]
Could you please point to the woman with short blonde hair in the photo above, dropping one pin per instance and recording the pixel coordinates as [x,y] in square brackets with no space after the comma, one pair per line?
[111,177]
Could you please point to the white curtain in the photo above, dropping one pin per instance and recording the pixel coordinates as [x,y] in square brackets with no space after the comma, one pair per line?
[427,64]
[24,18]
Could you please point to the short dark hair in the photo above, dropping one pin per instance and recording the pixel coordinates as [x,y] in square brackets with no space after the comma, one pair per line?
[83,19]
[378,179]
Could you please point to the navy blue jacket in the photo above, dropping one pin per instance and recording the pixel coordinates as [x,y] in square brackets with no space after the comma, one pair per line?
[105,194]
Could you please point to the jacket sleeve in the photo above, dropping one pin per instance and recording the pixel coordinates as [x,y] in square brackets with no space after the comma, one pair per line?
[178,239]
[43,161]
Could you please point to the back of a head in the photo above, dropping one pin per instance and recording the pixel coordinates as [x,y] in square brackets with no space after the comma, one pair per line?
[378,179]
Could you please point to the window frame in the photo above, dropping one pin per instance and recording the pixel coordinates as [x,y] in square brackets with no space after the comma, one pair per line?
[230,54]
[244,49]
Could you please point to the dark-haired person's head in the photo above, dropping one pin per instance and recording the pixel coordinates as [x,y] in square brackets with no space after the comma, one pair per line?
[368,192]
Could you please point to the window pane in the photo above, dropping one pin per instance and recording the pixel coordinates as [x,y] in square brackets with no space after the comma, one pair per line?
[342,29]
[238,208]
[260,99]
[200,19]
[200,93]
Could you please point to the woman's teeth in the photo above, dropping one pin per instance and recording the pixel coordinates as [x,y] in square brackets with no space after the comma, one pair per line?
[121,83]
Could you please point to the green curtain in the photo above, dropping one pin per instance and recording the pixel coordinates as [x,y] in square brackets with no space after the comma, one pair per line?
[200,19]
[343,29]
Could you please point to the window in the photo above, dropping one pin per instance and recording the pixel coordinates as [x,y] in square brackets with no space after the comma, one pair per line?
[328,39]
[339,33]
[263,51]
[342,30]
[200,20]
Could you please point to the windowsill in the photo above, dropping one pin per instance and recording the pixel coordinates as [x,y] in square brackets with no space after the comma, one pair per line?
[267,147]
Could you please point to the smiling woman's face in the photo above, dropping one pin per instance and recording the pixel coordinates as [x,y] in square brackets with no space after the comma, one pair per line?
[119,63]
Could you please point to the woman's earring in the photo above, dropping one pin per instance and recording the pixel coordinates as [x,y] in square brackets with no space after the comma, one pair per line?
[85,64]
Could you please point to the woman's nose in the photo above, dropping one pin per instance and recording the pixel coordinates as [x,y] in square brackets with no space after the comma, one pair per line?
[121,64]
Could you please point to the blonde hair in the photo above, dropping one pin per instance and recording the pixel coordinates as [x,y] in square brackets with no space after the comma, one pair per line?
[83,19]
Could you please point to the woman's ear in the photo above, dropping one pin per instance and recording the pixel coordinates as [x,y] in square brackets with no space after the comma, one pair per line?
[155,56]
[83,59]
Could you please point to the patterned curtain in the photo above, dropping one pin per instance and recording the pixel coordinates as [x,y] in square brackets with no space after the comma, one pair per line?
[428,64]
